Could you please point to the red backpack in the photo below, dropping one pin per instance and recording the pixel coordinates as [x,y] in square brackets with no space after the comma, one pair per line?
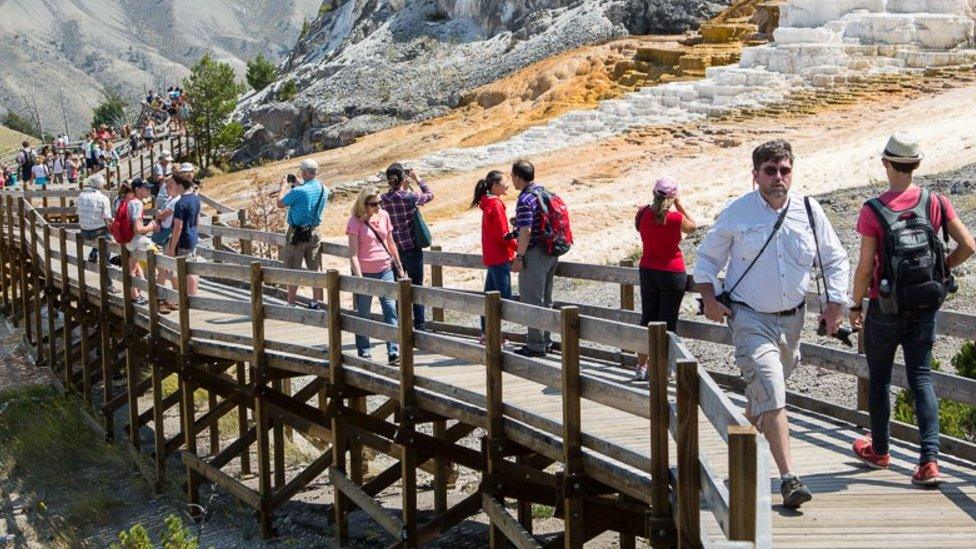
[555,234]
[122,228]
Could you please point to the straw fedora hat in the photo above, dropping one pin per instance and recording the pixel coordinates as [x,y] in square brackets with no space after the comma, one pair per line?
[902,148]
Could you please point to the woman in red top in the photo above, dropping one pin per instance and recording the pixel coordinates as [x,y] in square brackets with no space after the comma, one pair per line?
[662,266]
[497,247]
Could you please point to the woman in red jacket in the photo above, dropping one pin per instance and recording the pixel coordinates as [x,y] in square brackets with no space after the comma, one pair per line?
[662,266]
[497,246]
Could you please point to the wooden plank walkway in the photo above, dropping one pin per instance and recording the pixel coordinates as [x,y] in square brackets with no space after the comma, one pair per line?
[852,507]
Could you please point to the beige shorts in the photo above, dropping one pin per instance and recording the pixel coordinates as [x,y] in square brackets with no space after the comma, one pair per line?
[767,349]
[293,255]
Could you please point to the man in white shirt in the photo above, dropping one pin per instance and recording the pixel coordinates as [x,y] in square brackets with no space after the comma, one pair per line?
[766,239]
[94,213]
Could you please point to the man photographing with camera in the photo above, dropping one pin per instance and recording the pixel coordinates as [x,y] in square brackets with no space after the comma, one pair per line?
[305,198]
[770,239]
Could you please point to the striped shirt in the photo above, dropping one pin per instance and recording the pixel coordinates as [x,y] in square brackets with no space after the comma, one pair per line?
[527,211]
[401,204]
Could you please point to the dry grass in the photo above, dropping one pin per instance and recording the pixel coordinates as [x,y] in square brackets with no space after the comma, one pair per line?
[10,140]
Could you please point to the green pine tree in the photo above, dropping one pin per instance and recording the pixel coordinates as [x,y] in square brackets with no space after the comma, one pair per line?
[213,93]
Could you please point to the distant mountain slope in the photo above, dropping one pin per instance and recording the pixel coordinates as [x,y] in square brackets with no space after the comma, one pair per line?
[73,48]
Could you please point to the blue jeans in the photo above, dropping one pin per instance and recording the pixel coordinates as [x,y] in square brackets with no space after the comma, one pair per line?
[498,279]
[413,264]
[363,304]
[883,333]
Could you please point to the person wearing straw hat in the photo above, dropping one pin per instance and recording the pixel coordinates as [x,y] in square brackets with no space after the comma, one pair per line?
[94,213]
[902,304]
[770,239]
[662,266]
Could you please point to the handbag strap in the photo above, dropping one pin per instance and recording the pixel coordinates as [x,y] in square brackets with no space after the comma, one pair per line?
[385,249]
[779,223]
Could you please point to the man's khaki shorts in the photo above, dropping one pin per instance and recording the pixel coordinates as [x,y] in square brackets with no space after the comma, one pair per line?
[767,349]
[293,255]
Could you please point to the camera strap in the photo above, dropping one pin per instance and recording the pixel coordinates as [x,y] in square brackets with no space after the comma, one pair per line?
[779,223]
[816,243]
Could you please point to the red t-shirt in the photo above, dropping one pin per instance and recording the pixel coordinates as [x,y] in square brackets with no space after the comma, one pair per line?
[868,224]
[660,240]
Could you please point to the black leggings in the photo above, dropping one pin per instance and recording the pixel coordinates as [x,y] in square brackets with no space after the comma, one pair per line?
[661,295]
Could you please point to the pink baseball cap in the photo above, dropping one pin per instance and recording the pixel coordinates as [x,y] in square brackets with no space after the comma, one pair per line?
[666,187]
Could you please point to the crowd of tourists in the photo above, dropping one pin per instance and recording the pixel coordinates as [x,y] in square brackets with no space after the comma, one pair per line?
[770,242]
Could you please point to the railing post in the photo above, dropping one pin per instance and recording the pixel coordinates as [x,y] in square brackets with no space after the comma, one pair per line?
[689,471]
[575,534]
[657,342]
[241,372]
[84,314]
[437,281]
[23,269]
[68,318]
[244,243]
[259,373]
[142,165]
[742,483]
[159,428]
[15,265]
[128,335]
[408,404]
[337,379]
[105,350]
[38,287]
[130,163]
[493,399]
[4,257]
[187,387]
[49,290]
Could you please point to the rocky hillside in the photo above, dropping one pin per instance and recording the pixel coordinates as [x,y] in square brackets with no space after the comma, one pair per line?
[369,64]
[63,52]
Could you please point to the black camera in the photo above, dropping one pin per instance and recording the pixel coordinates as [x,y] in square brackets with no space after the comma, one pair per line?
[843,334]
[951,286]
[511,235]
[292,179]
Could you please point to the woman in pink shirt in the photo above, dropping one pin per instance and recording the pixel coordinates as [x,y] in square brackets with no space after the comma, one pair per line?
[662,266]
[373,254]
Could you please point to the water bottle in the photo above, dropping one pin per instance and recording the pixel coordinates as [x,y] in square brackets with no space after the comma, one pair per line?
[884,288]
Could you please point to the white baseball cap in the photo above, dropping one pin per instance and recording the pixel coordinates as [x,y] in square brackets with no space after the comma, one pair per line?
[310,165]
[186,167]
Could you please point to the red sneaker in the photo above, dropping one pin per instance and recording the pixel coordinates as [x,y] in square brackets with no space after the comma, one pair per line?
[927,475]
[865,453]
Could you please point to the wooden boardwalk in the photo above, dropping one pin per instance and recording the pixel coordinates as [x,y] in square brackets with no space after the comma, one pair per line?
[852,506]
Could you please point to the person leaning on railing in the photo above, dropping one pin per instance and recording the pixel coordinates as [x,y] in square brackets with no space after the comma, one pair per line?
[373,254]
[904,301]
[770,238]
[662,265]
[305,199]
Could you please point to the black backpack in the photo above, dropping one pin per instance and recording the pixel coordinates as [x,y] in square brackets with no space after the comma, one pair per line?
[913,267]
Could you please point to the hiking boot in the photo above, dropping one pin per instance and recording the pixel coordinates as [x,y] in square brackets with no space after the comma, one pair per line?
[393,359]
[141,300]
[795,493]
[640,372]
[525,351]
[865,452]
[927,474]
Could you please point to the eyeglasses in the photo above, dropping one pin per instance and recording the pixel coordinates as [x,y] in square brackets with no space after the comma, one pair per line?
[773,170]
[371,204]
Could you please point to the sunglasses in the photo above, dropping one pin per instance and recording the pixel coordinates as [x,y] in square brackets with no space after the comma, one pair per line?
[773,170]
[371,204]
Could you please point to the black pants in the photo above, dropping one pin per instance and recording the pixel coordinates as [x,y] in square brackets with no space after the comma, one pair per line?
[661,295]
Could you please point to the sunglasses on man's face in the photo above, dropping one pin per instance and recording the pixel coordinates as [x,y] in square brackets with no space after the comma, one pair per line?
[773,170]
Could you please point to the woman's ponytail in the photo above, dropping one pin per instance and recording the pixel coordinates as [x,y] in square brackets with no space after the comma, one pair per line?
[483,186]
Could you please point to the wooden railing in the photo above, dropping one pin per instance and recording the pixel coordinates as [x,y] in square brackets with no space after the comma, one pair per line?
[740,504]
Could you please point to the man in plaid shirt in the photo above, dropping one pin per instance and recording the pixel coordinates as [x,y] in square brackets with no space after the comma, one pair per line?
[401,202]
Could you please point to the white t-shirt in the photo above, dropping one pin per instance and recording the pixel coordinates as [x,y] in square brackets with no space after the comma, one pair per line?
[170,205]
[139,241]
[39,171]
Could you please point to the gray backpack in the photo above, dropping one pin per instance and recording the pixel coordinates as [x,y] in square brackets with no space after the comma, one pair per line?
[913,259]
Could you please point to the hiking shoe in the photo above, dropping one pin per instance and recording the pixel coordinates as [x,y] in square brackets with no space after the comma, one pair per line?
[393,358]
[315,305]
[482,340]
[525,351]
[927,474]
[141,300]
[640,372]
[865,452]
[365,355]
[795,493]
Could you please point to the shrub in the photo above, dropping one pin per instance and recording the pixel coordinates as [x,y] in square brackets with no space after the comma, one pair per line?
[955,418]
[175,535]
[288,90]
[260,72]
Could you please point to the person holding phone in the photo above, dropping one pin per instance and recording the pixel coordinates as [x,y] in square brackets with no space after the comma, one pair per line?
[401,202]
